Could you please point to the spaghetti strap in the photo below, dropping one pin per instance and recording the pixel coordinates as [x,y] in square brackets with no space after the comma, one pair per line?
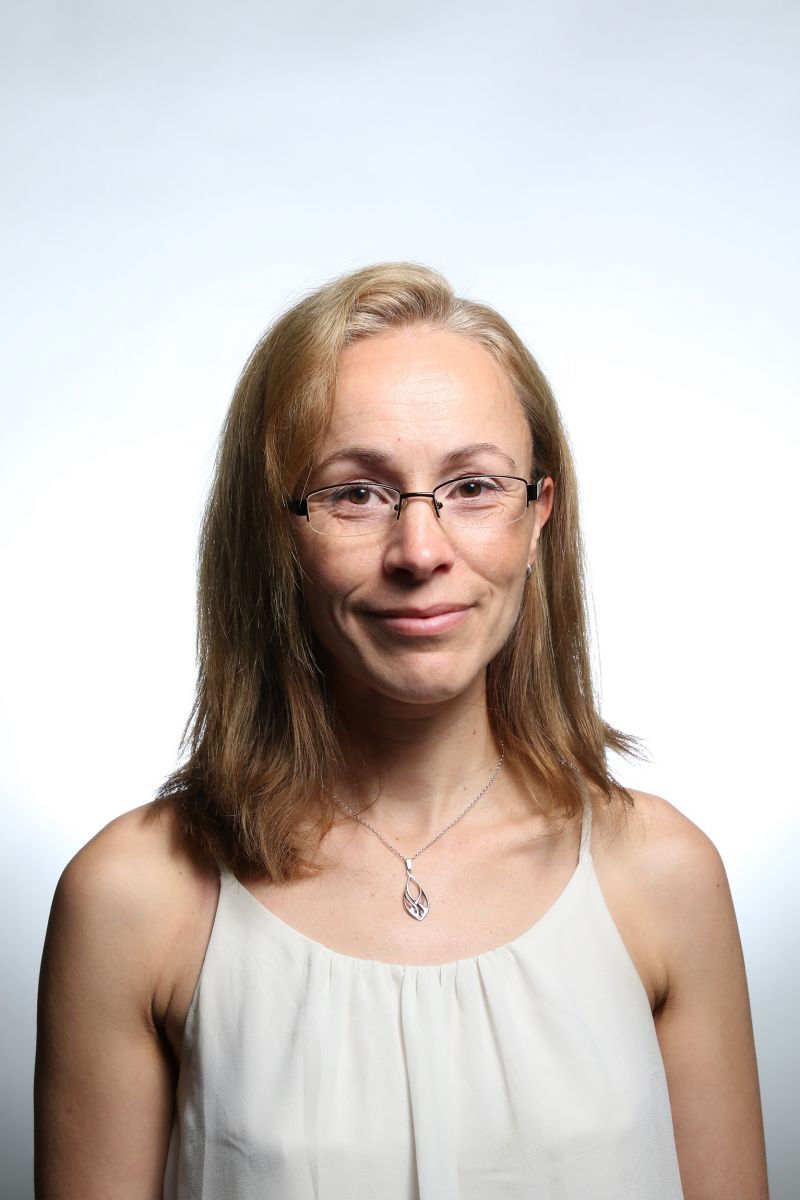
[586,826]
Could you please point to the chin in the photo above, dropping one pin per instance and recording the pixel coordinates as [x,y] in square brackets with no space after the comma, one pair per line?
[425,682]
[421,694]
[414,677]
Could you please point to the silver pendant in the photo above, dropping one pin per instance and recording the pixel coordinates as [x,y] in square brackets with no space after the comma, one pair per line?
[415,903]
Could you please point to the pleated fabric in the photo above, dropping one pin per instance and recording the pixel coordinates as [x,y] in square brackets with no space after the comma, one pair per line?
[532,1070]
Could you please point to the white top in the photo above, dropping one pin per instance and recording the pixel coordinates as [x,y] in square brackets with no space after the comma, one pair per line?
[532,1070]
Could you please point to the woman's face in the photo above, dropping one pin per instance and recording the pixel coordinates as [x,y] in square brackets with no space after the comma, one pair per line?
[415,611]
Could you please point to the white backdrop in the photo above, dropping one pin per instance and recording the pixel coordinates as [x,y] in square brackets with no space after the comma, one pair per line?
[619,179]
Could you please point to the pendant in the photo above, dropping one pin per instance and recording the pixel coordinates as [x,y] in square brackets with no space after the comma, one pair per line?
[415,903]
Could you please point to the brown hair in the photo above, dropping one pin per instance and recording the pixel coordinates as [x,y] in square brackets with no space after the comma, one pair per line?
[260,740]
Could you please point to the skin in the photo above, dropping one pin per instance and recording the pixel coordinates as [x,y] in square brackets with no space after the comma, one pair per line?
[133,911]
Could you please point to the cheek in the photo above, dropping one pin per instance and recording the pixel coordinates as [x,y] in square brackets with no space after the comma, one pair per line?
[502,566]
[319,608]
[501,560]
[315,556]
[329,574]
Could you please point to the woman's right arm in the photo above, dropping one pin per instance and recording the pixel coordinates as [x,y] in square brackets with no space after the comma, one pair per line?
[105,1078]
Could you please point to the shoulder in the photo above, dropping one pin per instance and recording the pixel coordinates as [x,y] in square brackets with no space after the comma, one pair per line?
[134,888]
[115,955]
[666,886]
[656,843]
[675,905]
[135,866]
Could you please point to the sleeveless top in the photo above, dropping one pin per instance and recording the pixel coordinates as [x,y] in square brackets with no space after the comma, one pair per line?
[532,1070]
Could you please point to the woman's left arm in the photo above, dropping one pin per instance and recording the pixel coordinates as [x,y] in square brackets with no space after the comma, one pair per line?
[704,1026]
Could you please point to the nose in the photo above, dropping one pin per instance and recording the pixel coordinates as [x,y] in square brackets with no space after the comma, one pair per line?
[418,544]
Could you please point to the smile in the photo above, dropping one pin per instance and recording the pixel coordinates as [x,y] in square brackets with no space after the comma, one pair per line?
[421,622]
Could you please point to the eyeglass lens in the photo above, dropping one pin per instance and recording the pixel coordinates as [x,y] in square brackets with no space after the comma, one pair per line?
[359,506]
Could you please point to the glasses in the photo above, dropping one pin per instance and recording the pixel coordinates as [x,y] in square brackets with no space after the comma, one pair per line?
[471,501]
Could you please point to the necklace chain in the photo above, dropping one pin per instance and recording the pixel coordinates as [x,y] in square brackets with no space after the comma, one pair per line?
[454,821]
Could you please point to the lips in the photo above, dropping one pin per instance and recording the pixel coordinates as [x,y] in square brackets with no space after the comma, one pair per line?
[412,621]
[435,610]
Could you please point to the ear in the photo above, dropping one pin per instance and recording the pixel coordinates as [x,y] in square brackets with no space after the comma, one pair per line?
[542,508]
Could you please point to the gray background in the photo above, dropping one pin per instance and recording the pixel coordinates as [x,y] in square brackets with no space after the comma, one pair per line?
[619,179]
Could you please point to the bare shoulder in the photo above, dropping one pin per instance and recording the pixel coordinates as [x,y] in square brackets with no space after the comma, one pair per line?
[655,844]
[137,867]
[667,890]
[136,889]
[127,933]
[665,885]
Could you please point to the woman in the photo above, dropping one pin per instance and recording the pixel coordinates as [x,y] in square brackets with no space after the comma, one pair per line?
[394,929]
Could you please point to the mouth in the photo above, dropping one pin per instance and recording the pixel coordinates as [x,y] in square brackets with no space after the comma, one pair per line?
[410,621]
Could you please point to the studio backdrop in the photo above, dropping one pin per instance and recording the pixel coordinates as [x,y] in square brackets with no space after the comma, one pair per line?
[619,180]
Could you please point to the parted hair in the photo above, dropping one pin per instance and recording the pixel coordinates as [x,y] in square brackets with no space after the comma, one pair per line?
[261,740]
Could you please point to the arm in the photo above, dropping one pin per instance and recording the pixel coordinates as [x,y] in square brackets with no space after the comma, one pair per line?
[704,1026]
[104,1078]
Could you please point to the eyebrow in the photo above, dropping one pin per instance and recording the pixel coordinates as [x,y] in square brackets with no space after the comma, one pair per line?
[369,456]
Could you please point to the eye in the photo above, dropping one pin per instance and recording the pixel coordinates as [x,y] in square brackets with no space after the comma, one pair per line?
[355,495]
[473,488]
[358,494]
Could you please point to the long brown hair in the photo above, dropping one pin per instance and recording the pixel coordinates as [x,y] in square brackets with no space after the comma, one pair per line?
[261,737]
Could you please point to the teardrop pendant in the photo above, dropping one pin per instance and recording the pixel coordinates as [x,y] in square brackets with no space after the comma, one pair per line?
[415,904]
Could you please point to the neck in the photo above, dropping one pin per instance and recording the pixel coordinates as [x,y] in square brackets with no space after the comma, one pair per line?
[412,768]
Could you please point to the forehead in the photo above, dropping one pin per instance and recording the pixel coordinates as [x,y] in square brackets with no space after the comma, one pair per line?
[418,394]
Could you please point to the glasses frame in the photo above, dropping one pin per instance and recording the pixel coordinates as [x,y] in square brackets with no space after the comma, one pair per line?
[298,505]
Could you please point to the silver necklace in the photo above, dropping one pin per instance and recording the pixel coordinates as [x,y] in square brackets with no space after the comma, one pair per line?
[415,900]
